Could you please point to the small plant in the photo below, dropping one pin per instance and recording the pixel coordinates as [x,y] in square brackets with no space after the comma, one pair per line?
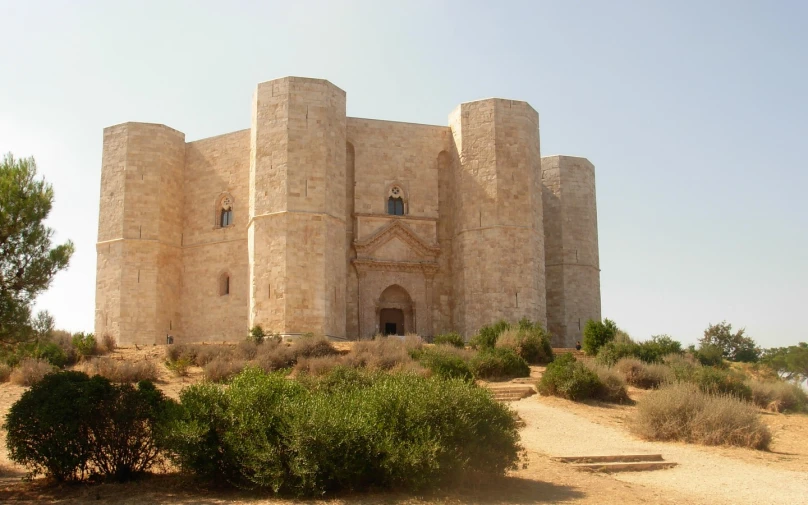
[85,344]
[499,363]
[452,338]
[257,334]
[683,412]
[597,334]
[179,367]
[568,378]
[529,341]
[30,371]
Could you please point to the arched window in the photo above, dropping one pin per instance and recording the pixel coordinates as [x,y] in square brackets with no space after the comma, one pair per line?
[224,284]
[226,212]
[395,202]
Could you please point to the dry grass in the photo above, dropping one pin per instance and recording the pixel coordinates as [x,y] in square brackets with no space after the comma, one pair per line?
[107,343]
[5,372]
[384,353]
[317,366]
[778,396]
[30,371]
[222,369]
[643,375]
[683,412]
[121,371]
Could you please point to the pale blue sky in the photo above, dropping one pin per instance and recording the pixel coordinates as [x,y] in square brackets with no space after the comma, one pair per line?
[694,114]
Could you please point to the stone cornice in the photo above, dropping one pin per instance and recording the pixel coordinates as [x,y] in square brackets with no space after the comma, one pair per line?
[427,267]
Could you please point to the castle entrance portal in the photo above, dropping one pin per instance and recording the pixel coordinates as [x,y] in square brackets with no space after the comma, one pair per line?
[395,311]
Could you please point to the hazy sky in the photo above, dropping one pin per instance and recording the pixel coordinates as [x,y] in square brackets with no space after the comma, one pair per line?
[694,114]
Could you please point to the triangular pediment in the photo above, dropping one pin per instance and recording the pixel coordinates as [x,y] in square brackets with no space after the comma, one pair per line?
[396,242]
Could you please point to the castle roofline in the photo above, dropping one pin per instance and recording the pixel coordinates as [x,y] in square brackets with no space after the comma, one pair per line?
[397,122]
[140,123]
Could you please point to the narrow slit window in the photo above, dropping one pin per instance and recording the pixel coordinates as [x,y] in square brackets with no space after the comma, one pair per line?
[224,285]
[395,202]
[225,209]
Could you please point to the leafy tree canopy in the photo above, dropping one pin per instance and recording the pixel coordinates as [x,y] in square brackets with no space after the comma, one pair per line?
[28,262]
[790,362]
[734,346]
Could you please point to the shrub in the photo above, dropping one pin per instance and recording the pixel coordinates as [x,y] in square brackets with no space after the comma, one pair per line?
[498,363]
[246,349]
[452,338]
[569,378]
[69,424]
[642,375]
[446,361]
[317,366]
[597,334]
[313,347]
[611,385]
[709,355]
[257,334]
[85,344]
[204,354]
[51,353]
[487,337]
[650,351]
[348,430]
[179,367]
[532,343]
[5,372]
[221,370]
[121,371]
[384,353]
[778,396]
[683,412]
[274,356]
[717,381]
[108,343]
[30,371]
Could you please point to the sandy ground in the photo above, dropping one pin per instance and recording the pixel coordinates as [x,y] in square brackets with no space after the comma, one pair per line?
[554,427]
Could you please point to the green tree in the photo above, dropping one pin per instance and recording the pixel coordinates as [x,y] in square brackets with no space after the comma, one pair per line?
[28,261]
[790,362]
[734,346]
[597,334]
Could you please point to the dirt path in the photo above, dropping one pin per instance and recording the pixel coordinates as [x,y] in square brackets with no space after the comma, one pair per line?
[702,476]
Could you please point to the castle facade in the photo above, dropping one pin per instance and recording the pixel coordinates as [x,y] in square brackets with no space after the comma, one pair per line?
[311,221]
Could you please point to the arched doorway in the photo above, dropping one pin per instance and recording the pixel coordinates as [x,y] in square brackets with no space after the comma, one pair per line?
[395,311]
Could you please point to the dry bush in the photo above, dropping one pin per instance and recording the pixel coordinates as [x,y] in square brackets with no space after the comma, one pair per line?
[65,341]
[222,369]
[272,356]
[413,341]
[107,344]
[612,387]
[5,372]
[313,347]
[778,396]
[642,375]
[204,354]
[246,349]
[381,354]
[683,412]
[317,366]
[121,371]
[30,371]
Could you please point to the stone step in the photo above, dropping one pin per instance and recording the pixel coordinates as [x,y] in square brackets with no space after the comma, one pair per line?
[618,458]
[624,467]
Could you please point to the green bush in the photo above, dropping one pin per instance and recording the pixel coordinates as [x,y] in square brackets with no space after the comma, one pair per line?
[718,381]
[650,351]
[347,430]
[445,361]
[487,337]
[257,334]
[612,352]
[597,334]
[51,353]
[709,355]
[68,425]
[569,378]
[684,412]
[529,341]
[85,344]
[453,339]
[499,363]
[611,385]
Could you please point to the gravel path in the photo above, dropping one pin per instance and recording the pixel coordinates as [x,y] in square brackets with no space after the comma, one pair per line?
[704,477]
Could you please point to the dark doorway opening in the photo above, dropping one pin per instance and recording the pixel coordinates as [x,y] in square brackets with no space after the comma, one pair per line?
[391,321]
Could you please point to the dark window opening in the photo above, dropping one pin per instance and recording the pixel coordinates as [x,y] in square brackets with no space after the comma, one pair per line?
[395,206]
[390,329]
[226,218]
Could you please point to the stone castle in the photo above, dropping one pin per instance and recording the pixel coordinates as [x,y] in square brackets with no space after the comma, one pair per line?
[311,221]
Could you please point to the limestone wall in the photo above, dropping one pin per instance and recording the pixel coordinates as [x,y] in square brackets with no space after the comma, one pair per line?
[571,246]
[216,167]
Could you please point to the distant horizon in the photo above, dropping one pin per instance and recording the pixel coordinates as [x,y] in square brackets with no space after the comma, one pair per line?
[693,115]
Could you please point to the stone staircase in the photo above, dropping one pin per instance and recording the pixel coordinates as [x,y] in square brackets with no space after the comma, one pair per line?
[511,392]
[617,463]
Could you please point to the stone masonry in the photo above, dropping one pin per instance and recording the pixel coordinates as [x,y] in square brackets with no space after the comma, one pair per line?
[314,222]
